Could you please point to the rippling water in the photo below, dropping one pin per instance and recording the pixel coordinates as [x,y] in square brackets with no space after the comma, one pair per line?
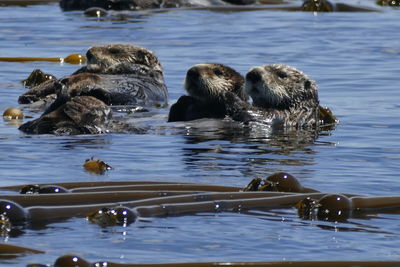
[354,57]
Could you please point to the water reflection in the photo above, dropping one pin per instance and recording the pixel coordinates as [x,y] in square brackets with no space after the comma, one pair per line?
[117,19]
[221,144]
[12,123]
[89,142]
[354,227]
[357,223]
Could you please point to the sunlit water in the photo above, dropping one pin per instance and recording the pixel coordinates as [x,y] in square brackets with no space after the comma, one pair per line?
[354,57]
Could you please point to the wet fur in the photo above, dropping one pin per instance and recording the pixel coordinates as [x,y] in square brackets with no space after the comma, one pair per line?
[120,74]
[207,85]
[287,94]
[80,115]
[282,97]
[115,75]
[145,4]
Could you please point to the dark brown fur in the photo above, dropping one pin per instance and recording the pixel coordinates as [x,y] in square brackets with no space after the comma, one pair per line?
[115,75]
[282,97]
[80,115]
[206,85]
[121,74]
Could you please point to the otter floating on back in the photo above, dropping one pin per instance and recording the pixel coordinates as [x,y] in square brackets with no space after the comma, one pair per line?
[115,75]
[118,74]
[80,115]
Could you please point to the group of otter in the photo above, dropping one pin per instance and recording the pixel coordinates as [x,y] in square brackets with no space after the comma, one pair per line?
[122,74]
[100,7]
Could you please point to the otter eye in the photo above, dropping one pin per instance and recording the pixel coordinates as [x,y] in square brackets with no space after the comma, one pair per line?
[218,72]
[281,74]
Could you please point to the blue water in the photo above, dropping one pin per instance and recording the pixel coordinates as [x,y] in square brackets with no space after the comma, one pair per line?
[354,57]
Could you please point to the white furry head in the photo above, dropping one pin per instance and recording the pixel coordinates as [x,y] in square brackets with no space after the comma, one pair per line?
[280,86]
[206,82]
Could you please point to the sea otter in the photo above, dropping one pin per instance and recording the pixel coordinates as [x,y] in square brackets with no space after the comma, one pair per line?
[308,5]
[388,2]
[285,94]
[115,75]
[282,96]
[118,74]
[77,115]
[67,5]
[205,84]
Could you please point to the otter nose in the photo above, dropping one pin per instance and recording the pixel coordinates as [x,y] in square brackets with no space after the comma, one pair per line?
[253,76]
[192,73]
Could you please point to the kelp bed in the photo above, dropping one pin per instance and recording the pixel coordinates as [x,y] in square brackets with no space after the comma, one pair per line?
[124,202]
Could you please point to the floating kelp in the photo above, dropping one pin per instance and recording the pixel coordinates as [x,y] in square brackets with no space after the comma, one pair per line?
[13,213]
[45,189]
[13,113]
[102,204]
[79,204]
[326,115]
[76,261]
[85,198]
[71,59]
[279,182]
[96,166]
[388,2]
[120,215]
[190,187]
[338,207]
[189,204]
[329,208]
[73,185]
[105,207]
[13,251]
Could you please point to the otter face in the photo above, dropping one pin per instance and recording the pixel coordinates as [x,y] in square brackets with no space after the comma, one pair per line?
[206,82]
[280,86]
[111,55]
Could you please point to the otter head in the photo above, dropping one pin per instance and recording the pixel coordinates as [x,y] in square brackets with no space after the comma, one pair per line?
[207,82]
[281,87]
[116,54]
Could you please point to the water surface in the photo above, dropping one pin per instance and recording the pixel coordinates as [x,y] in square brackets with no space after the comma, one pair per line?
[352,56]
